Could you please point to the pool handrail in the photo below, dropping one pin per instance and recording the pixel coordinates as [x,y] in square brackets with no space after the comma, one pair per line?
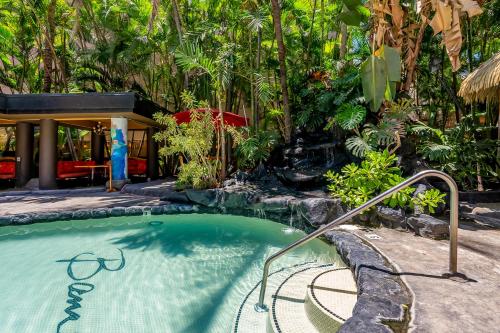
[261,307]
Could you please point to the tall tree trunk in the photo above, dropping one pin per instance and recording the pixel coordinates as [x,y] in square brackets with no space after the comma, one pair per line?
[322,32]
[257,101]
[311,32]
[458,108]
[48,45]
[178,26]
[343,40]
[282,61]
[222,143]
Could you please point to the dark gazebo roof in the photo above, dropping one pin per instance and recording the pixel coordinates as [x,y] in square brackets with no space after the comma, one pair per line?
[85,106]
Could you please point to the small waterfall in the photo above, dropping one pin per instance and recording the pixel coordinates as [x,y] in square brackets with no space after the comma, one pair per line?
[294,212]
[220,199]
[260,213]
[329,156]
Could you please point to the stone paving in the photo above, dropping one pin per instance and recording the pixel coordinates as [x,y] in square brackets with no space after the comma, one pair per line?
[64,200]
[441,304]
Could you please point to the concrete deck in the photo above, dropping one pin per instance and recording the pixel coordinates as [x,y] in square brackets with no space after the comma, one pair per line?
[443,304]
[64,200]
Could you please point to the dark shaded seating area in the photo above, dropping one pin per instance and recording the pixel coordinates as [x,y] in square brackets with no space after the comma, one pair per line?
[73,169]
[77,135]
[137,166]
[7,170]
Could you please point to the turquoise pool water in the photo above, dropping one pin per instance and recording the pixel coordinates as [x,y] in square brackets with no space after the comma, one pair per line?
[168,274]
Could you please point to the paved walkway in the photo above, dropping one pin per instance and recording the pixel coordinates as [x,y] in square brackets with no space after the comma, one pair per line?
[33,203]
[443,304]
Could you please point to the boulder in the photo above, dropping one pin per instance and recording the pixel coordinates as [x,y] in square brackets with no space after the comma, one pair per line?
[368,218]
[100,213]
[485,215]
[46,217]
[278,203]
[82,214]
[428,226]
[209,198]
[391,217]
[117,211]
[239,196]
[133,210]
[319,211]
[174,196]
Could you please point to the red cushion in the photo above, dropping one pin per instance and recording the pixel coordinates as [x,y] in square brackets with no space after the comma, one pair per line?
[7,170]
[68,169]
[137,166]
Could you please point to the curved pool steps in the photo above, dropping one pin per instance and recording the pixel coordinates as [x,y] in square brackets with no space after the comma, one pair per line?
[307,298]
[330,299]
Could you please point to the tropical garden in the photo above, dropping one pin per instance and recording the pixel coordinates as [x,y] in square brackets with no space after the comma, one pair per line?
[381,78]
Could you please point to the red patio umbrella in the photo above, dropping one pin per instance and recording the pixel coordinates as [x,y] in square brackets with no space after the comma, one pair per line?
[230,119]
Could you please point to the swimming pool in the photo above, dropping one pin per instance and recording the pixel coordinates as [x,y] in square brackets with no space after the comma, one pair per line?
[168,273]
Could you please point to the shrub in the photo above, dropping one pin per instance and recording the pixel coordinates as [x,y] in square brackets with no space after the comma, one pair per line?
[429,200]
[194,142]
[252,149]
[356,184]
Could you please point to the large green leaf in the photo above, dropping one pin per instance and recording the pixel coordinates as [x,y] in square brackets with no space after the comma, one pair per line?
[5,33]
[353,13]
[374,81]
[352,4]
[392,60]
[350,116]
[350,17]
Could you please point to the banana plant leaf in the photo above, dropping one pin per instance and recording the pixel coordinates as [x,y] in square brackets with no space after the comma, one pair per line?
[392,60]
[374,81]
[353,12]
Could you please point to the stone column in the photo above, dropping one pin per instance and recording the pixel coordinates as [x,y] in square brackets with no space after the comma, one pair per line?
[24,153]
[152,155]
[119,151]
[97,147]
[48,154]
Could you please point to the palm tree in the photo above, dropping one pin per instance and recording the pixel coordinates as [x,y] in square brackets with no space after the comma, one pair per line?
[276,13]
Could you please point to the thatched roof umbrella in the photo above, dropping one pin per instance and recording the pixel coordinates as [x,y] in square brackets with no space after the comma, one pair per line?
[483,85]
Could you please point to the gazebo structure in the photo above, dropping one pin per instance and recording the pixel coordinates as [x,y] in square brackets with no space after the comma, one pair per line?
[483,86]
[118,112]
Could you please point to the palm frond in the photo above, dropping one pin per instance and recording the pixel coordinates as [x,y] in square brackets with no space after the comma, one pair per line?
[190,56]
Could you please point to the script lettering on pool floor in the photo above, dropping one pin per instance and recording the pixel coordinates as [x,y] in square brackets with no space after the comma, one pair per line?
[77,289]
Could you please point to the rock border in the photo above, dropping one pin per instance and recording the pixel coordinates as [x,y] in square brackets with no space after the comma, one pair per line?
[96,213]
[383,299]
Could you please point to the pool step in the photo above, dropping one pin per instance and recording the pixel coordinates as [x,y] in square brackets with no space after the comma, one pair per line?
[314,300]
[309,298]
[330,299]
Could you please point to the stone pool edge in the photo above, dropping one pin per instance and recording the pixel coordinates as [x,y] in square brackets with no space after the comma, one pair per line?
[384,300]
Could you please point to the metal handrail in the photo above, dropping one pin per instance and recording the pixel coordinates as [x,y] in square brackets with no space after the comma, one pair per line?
[261,307]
